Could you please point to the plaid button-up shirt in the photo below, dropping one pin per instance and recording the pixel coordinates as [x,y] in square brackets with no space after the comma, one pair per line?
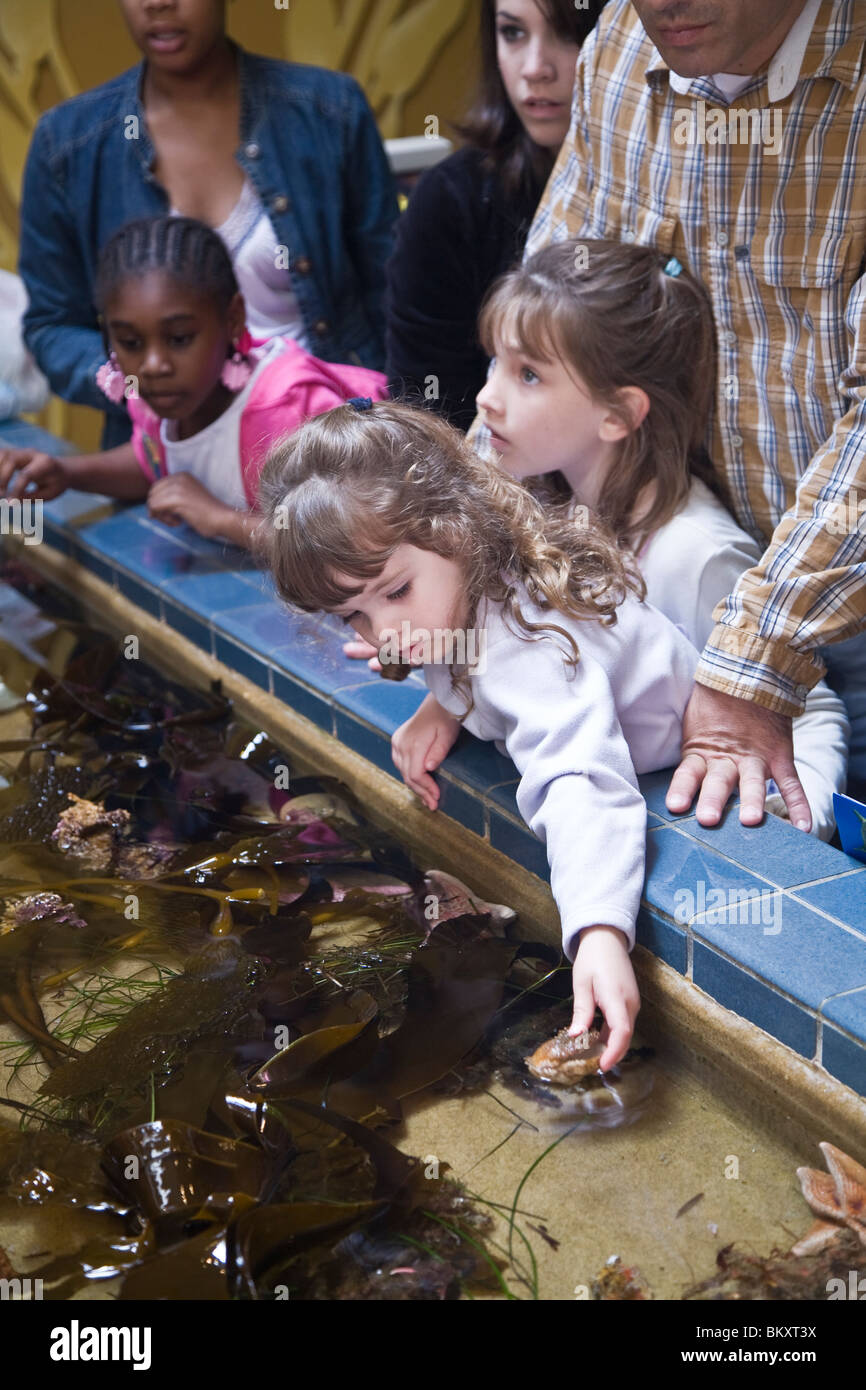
[774,223]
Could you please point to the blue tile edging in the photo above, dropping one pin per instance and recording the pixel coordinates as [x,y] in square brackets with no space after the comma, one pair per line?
[768,921]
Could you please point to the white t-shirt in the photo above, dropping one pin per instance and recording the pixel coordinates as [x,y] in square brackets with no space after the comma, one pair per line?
[214,454]
[579,740]
[690,565]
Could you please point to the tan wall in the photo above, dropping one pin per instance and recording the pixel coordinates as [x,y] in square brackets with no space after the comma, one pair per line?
[414,58]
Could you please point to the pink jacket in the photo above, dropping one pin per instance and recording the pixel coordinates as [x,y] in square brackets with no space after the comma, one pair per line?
[291,389]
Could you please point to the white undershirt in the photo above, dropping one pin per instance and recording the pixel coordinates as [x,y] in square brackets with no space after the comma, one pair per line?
[271,303]
[214,454]
[730,84]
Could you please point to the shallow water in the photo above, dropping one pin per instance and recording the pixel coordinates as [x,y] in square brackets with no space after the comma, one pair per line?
[226,955]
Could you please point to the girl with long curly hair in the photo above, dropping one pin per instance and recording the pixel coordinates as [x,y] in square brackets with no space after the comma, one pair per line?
[532,633]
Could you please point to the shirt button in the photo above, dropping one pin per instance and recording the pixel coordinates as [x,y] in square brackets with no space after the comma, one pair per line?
[729,336]
[280,203]
[252,151]
[722,238]
[626,234]
[303,265]
[737,441]
[321,327]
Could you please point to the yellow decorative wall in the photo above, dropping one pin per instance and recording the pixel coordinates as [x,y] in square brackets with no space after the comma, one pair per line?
[414,58]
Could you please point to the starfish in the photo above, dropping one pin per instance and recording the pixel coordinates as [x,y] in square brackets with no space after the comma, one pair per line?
[838,1196]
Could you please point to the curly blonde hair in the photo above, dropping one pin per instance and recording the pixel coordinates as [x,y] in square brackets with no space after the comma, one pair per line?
[349,487]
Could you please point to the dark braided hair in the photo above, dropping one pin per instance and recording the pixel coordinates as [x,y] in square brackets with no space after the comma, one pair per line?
[184,248]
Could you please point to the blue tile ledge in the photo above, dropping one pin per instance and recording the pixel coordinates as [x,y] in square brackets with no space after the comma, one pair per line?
[770,922]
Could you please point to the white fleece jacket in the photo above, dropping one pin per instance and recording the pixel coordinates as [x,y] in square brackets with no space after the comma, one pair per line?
[578,739]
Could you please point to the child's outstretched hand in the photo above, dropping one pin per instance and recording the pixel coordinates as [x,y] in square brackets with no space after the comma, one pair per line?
[602,976]
[421,744]
[43,471]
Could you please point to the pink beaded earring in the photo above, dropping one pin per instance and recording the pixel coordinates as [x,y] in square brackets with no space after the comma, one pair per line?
[238,369]
[111,380]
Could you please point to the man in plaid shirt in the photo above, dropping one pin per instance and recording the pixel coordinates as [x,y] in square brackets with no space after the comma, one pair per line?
[732,135]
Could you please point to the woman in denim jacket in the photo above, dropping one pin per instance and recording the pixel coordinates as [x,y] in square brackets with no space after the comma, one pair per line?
[203,128]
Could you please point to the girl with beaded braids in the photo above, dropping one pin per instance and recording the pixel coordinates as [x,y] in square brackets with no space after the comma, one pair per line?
[205,399]
[531,633]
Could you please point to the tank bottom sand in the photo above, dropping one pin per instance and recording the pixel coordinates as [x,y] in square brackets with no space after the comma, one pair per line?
[600,1192]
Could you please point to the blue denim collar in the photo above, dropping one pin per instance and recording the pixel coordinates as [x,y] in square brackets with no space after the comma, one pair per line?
[252,110]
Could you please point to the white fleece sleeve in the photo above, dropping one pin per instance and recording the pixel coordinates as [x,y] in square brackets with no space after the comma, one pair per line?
[578,788]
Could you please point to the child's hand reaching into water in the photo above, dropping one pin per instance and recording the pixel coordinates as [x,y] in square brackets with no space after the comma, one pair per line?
[421,744]
[603,977]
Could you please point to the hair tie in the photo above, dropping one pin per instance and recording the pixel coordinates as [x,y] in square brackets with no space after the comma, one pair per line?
[673,267]
[361,402]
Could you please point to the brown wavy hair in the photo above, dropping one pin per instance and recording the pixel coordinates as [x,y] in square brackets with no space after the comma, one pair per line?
[609,312]
[349,487]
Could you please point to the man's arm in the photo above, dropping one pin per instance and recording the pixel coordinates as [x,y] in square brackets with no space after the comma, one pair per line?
[807,590]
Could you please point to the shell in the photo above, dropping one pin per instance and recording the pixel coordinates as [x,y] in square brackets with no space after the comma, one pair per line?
[564,1059]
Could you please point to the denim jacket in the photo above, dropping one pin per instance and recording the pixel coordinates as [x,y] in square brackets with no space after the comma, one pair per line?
[310,147]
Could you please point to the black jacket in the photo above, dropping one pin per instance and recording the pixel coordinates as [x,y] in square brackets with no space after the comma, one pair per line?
[458,234]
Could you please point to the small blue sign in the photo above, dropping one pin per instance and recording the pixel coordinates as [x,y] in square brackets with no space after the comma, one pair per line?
[851,823]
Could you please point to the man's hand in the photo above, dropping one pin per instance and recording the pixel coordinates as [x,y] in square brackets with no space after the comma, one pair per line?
[725,741]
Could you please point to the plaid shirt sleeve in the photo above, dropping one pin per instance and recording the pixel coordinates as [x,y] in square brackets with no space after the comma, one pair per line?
[809,587]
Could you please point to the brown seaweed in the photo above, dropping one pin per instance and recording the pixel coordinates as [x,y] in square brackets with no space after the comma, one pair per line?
[209,997]
[227,1129]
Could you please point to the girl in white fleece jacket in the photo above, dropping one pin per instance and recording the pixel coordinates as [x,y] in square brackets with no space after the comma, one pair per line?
[531,632]
[603,382]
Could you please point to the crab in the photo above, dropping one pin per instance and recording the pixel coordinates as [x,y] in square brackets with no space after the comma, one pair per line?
[567,1058]
[87,831]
